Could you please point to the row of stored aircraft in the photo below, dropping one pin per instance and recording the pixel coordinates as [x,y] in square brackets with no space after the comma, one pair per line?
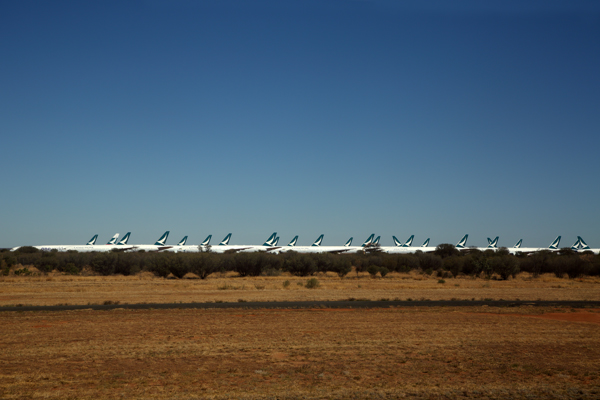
[271,245]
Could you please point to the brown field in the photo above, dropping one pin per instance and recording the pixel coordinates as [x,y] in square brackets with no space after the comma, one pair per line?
[482,352]
[56,289]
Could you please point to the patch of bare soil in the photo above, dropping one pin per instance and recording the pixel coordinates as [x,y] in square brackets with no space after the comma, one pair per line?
[357,353]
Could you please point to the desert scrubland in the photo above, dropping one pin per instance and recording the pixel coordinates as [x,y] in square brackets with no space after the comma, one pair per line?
[419,352]
[57,288]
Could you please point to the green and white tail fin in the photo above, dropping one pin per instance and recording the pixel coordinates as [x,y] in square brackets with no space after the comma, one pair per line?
[376,241]
[577,245]
[182,241]
[318,241]
[125,239]
[369,240]
[225,241]
[397,242]
[583,245]
[293,242]
[276,241]
[114,239]
[162,240]
[493,244]
[554,245]
[462,243]
[92,241]
[518,245]
[409,241]
[271,240]
[425,243]
[349,242]
[206,241]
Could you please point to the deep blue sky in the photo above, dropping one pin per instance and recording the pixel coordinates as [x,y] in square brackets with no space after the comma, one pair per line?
[339,117]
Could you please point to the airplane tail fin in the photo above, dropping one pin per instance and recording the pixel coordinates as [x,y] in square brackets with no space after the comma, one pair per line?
[583,245]
[318,241]
[124,240]
[348,243]
[114,239]
[293,242]
[225,241]
[518,245]
[397,242]
[182,242]
[92,241]
[162,240]
[462,243]
[276,241]
[376,241]
[369,240]
[271,240]
[425,243]
[206,241]
[493,244]
[554,245]
[409,241]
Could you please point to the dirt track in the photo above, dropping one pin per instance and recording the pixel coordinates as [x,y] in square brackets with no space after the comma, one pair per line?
[312,305]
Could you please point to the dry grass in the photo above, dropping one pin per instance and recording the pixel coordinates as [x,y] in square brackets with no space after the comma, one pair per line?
[186,354]
[145,288]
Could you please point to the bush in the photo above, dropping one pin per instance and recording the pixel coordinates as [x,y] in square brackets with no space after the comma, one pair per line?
[286,283]
[249,264]
[373,270]
[454,264]
[312,283]
[341,266]
[202,264]
[23,271]
[446,250]
[429,261]
[300,265]
[383,271]
[505,266]
[69,269]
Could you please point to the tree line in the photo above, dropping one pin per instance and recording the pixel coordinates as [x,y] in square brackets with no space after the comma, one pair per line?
[446,262]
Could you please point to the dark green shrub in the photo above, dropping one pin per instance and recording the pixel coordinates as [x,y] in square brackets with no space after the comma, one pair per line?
[446,250]
[202,264]
[249,264]
[505,266]
[69,269]
[454,264]
[341,266]
[373,270]
[104,263]
[312,283]
[429,261]
[300,265]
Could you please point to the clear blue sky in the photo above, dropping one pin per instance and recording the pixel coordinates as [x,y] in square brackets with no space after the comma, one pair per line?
[341,117]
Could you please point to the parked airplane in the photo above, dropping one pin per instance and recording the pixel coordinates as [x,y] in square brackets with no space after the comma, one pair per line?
[159,245]
[224,246]
[88,247]
[553,247]
[406,247]
[348,249]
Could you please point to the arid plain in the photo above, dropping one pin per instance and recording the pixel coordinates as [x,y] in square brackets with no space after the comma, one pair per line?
[416,352]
